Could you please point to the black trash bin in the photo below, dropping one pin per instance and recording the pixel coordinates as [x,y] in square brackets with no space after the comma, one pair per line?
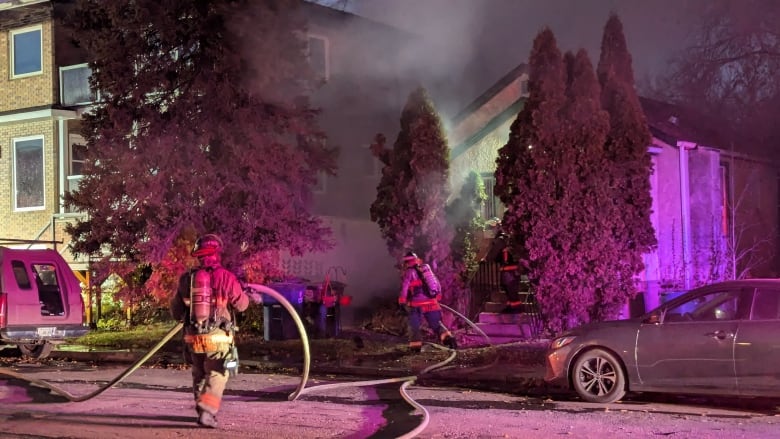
[278,324]
[328,320]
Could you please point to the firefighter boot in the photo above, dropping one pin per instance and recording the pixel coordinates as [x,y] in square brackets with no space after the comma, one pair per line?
[206,419]
[450,342]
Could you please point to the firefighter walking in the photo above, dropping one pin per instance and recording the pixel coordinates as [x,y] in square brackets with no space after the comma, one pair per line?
[420,296]
[205,302]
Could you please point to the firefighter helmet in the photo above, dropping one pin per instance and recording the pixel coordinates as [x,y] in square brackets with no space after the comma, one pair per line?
[411,259]
[207,245]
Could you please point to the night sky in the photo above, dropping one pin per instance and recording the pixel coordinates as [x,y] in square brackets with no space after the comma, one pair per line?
[469,44]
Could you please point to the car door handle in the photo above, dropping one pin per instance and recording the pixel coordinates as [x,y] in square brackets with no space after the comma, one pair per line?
[720,335]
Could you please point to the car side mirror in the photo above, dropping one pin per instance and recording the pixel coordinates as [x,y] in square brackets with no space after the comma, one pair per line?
[653,319]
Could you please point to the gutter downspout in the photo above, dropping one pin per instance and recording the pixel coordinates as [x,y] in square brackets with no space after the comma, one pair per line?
[685,210]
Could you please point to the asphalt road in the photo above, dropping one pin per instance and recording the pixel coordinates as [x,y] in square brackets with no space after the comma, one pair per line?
[157,403]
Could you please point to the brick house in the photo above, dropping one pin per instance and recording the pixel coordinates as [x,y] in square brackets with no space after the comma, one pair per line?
[43,90]
[706,198]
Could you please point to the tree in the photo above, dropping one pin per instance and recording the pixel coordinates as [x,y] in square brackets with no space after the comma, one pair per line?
[413,190]
[594,250]
[534,180]
[730,70]
[629,164]
[203,124]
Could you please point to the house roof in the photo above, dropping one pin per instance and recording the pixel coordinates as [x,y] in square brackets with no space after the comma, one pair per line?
[671,123]
[8,4]
[485,97]
[510,111]
[668,122]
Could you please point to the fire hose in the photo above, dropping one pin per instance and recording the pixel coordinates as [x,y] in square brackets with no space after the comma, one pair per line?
[299,390]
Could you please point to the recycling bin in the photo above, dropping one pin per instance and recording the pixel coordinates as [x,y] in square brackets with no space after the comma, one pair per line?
[278,324]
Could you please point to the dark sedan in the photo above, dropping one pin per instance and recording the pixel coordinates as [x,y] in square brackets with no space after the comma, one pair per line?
[720,339]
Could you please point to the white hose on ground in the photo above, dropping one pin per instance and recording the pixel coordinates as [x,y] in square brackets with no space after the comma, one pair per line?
[301,330]
[470,323]
[110,384]
[168,336]
[300,389]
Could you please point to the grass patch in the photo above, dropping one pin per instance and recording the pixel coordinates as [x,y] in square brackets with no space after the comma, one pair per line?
[142,337]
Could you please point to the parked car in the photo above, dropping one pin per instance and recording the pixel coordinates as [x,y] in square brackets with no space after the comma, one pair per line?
[40,301]
[720,339]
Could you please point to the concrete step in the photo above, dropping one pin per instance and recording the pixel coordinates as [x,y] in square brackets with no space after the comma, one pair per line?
[496,317]
[475,339]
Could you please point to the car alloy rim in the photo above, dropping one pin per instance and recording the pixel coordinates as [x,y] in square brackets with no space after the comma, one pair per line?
[598,376]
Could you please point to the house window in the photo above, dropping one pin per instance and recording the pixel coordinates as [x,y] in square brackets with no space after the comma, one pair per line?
[492,208]
[26,52]
[77,153]
[28,173]
[76,164]
[74,85]
[318,55]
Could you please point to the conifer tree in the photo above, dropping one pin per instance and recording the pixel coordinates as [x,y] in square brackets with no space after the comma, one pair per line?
[531,179]
[629,164]
[203,123]
[593,251]
[413,190]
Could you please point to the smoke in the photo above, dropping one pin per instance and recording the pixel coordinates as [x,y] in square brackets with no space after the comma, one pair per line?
[467,45]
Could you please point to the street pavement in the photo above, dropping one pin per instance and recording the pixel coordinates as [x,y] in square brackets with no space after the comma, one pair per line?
[522,376]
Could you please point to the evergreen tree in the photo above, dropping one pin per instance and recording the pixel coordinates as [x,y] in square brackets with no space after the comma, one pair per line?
[629,164]
[531,178]
[413,190]
[593,252]
[203,123]
[550,175]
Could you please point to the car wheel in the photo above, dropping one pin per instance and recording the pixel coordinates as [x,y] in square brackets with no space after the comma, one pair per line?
[36,350]
[597,376]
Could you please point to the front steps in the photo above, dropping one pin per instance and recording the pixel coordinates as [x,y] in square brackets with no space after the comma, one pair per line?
[504,328]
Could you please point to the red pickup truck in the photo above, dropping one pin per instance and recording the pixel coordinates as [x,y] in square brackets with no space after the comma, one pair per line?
[40,301]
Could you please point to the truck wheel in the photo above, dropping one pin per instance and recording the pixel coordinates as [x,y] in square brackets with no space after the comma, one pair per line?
[36,351]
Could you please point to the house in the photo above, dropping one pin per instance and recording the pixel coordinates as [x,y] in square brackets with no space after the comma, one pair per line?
[44,90]
[707,198]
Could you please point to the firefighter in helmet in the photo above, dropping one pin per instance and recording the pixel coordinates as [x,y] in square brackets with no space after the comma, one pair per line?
[509,272]
[420,296]
[205,302]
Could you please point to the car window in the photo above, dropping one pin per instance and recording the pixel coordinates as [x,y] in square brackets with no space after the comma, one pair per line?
[20,274]
[714,306]
[766,305]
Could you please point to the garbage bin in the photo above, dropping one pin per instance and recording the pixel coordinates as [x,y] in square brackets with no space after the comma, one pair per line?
[327,309]
[328,320]
[278,324]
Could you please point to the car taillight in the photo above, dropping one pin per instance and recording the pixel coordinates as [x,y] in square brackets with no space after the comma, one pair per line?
[3,309]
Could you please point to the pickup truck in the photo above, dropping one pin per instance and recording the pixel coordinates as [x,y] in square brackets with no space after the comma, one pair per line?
[40,301]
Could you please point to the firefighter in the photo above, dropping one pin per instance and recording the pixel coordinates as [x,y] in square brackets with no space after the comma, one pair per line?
[420,296]
[509,272]
[205,302]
